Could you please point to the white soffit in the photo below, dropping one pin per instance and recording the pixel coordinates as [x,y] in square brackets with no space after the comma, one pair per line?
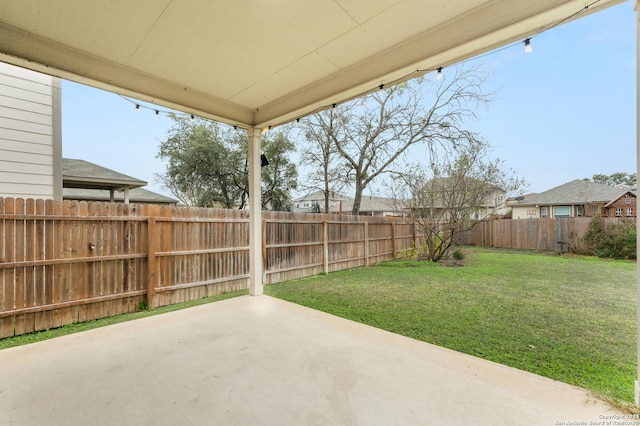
[260,62]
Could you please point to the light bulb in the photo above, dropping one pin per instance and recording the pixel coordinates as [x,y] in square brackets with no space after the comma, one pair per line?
[192,118]
[157,114]
[137,108]
[439,74]
[527,46]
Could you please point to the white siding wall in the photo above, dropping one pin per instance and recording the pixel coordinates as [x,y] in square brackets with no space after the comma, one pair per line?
[30,134]
[529,212]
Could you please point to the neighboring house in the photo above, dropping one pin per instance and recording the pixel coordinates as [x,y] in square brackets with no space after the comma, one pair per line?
[314,203]
[82,180]
[341,204]
[375,206]
[464,197]
[492,203]
[30,134]
[576,198]
[623,206]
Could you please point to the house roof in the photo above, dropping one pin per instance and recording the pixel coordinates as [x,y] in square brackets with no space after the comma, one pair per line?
[370,203]
[82,180]
[444,191]
[319,196]
[83,174]
[259,63]
[574,192]
[342,203]
[136,195]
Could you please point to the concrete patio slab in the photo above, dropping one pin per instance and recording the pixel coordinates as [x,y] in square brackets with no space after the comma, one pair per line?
[263,361]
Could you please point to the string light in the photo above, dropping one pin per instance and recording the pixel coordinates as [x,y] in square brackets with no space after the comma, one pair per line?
[381,86]
[439,74]
[157,112]
[527,46]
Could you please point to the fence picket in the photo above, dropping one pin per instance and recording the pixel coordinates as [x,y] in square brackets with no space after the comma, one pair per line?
[6,304]
[39,281]
[29,271]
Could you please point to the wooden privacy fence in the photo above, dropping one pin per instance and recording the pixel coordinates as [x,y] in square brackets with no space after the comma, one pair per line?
[551,234]
[65,262]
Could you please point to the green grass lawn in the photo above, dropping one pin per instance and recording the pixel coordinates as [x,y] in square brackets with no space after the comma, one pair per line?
[568,318]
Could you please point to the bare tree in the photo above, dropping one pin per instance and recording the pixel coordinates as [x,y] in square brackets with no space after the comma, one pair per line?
[327,172]
[454,193]
[371,133]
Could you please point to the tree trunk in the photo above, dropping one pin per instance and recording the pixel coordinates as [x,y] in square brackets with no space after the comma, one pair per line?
[357,199]
[326,192]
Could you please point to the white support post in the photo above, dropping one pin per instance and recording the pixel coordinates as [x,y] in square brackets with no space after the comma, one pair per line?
[255,213]
[126,195]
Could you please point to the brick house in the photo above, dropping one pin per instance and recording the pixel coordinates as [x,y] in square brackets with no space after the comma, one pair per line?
[574,199]
[623,206]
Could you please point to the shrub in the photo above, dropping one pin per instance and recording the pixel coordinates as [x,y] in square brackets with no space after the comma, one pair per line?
[409,254]
[458,255]
[611,241]
[142,306]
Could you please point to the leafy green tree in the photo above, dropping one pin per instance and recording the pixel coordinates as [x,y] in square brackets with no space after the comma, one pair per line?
[280,177]
[614,179]
[207,165]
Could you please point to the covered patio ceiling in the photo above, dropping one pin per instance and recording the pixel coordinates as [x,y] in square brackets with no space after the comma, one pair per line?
[260,63]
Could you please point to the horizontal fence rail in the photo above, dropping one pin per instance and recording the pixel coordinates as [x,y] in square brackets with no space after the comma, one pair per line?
[68,261]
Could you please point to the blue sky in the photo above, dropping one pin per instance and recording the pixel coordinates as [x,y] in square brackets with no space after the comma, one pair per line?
[566,111]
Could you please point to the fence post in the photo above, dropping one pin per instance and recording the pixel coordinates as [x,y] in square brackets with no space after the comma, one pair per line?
[393,240]
[325,243]
[152,246]
[366,244]
[264,251]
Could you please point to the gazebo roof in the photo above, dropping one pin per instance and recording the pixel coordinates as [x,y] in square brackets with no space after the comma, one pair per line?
[86,175]
[261,63]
